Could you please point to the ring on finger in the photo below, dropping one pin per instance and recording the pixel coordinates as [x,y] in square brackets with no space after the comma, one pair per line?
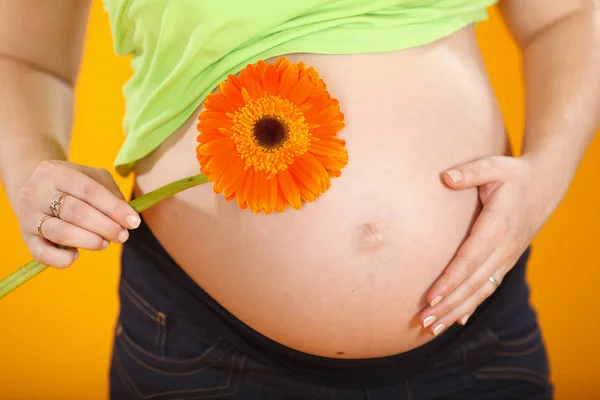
[494,281]
[39,227]
[57,203]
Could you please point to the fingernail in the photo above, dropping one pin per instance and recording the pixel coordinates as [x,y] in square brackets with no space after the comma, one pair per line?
[464,319]
[123,236]
[454,174]
[436,300]
[76,256]
[105,244]
[133,221]
[438,329]
[428,321]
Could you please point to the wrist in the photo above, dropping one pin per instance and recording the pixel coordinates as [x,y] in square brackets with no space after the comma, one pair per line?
[550,179]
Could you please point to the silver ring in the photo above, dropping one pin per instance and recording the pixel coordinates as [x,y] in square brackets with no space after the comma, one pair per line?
[57,203]
[494,281]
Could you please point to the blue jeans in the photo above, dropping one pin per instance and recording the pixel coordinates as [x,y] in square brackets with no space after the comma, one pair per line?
[161,352]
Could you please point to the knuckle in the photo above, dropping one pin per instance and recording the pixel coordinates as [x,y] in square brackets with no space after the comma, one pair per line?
[77,213]
[468,262]
[57,235]
[26,192]
[90,190]
[45,168]
[484,294]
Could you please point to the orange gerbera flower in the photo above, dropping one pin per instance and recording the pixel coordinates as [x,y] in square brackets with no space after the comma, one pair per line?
[268,137]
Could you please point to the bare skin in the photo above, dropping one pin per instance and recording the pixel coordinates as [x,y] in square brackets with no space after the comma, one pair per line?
[352,274]
[348,273]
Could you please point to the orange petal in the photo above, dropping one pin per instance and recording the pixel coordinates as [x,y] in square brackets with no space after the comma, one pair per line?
[321,115]
[216,147]
[234,81]
[301,90]
[261,65]
[319,101]
[306,194]
[270,195]
[205,137]
[232,178]
[246,95]
[216,115]
[213,124]
[281,65]
[288,80]
[230,197]
[261,178]
[255,90]
[270,80]
[328,129]
[231,94]
[311,182]
[280,207]
[218,102]
[216,165]
[326,148]
[328,162]
[289,189]
[311,165]
[311,72]
[242,193]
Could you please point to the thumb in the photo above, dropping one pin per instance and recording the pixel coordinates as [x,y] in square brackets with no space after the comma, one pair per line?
[474,173]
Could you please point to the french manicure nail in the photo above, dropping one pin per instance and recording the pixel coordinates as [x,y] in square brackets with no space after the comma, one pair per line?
[436,300]
[464,319]
[76,256]
[133,221]
[123,236]
[454,174]
[105,244]
[428,321]
[438,329]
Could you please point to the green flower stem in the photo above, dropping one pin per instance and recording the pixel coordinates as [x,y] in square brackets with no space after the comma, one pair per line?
[33,267]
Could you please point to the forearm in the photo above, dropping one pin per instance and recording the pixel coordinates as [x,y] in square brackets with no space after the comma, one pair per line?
[562,85]
[36,111]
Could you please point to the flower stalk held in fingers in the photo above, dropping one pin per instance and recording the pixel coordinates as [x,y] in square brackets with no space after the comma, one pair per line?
[267,138]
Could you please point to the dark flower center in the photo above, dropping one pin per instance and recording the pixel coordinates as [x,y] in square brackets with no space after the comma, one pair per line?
[270,132]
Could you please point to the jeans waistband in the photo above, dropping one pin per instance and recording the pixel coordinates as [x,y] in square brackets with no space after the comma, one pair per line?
[148,265]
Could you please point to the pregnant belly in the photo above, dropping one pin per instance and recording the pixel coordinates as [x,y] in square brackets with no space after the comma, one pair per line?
[345,276]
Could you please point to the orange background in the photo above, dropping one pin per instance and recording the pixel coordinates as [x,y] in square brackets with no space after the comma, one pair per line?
[56,332]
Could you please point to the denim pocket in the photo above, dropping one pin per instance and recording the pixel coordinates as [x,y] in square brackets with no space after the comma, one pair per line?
[510,354]
[149,369]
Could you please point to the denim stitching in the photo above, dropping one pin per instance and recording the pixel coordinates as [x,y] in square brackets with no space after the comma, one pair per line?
[169,360]
[150,367]
[519,353]
[125,377]
[516,377]
[234,387]
[136,299]
[163,334]
[226,386]
[527,338]
[492,370]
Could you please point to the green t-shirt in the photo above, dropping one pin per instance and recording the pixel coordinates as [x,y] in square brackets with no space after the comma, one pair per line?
[182,49]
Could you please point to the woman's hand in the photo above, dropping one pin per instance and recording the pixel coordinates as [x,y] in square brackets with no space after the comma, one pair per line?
[515,206]
[93,213]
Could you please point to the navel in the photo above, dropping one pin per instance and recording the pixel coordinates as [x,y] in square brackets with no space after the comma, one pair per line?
[370,237]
